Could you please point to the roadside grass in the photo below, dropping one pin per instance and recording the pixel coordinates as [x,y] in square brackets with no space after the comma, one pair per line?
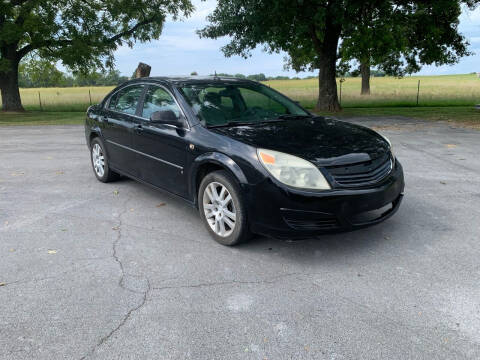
[459,114]
[41,118]
[466,115]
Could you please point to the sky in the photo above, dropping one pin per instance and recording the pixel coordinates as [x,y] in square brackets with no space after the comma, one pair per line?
[179,51]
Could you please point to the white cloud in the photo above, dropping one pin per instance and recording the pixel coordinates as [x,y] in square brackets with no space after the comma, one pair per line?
[469,18]
[124,50]
[475,15]
[189,42]
[202,10]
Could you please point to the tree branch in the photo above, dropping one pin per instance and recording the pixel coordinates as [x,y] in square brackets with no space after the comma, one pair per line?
[317,44]
[65,42]
[18,2]
[47,43]
[130,31]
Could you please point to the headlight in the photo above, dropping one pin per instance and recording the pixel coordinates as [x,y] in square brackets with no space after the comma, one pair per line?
[292,170]
[389,143]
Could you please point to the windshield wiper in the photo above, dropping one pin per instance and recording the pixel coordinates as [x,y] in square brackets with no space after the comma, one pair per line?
[254,123]
[293,116]
[231,123]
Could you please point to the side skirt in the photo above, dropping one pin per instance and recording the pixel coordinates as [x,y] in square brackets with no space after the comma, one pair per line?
[191,203]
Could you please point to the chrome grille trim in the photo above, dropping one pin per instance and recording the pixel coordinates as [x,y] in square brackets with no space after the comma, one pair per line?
[363,179]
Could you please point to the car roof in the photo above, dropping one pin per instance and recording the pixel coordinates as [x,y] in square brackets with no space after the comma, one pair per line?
[188,80]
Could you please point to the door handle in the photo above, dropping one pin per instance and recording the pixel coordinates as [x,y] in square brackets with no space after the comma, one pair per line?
[138,129]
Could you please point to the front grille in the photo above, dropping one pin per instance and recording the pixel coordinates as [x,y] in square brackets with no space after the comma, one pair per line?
[361,175]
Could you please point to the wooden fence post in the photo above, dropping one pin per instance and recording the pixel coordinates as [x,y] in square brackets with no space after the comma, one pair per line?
[418,92]
[342,80]
[40,101]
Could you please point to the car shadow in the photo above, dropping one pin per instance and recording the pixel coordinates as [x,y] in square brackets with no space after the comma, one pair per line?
[342,244]
[334,245]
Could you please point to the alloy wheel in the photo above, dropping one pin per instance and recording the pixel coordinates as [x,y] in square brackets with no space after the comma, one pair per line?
[98,160]
[219,209]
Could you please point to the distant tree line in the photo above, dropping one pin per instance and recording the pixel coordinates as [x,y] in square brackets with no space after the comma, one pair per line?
[36,72]
[262,77]
[43,73]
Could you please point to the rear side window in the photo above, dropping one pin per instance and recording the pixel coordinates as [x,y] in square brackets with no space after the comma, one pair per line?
[126,100]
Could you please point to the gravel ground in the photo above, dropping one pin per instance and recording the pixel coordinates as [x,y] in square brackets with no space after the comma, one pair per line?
[110,271]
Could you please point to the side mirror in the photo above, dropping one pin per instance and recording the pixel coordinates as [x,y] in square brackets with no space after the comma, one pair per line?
[167,117]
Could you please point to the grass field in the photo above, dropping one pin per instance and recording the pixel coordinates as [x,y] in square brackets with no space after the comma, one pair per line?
[42,118]
[63,99]
[441,98]
[450,90]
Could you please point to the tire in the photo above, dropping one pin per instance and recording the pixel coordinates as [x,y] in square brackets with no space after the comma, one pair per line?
[99,160]
[217,208]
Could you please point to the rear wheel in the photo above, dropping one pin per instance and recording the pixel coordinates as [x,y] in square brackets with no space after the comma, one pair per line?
[100,162]
[221,208]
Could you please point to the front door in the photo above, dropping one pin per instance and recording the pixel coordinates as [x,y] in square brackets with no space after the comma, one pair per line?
[118,127]
[161,149]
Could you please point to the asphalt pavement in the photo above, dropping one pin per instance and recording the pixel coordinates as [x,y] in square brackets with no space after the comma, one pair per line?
[122,271]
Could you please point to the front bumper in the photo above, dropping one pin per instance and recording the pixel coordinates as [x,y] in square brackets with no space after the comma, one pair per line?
[283,212]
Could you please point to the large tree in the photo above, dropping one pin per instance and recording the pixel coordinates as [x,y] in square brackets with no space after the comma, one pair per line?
[310,31]
[399,37]
[81,33]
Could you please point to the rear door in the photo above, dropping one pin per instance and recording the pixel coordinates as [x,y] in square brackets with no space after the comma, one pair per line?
[161,149]
[118,119]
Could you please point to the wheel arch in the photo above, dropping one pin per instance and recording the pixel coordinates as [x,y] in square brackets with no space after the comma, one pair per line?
[213,161]
[94,132]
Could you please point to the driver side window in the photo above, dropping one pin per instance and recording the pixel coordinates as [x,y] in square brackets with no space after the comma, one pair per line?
[126,100]
[158,99]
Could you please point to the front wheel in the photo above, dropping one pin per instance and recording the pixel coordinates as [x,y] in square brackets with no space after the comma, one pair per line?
[222,209]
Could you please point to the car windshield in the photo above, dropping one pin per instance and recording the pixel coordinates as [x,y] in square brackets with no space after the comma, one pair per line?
[218,104]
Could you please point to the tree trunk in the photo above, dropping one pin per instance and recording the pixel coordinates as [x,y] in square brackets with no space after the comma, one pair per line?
[11,100]
[365,71]
[327,82]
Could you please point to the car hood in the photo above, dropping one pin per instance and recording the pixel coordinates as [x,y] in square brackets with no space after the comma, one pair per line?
[322,141]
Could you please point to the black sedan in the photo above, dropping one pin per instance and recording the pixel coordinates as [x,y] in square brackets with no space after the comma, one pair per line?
[250,159]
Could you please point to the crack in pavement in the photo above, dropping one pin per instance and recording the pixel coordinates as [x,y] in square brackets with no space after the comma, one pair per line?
[105,338]
[271,280]
[121,284]
[44,278]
